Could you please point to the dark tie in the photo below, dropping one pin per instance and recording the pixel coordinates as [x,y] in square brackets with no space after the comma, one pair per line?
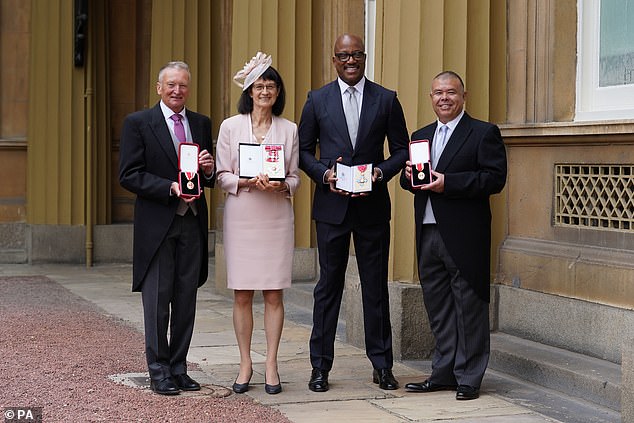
[351,110]
[179,129]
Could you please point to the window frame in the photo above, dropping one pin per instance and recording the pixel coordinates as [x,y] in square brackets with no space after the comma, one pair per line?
[594,102]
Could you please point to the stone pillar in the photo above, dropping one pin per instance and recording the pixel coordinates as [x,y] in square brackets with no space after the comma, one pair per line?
[412,338]
[411,335]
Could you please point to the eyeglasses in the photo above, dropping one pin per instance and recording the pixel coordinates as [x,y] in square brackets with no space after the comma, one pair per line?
[344,57]
[261,87]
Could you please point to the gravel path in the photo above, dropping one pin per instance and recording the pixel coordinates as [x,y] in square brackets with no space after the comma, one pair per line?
[57,351]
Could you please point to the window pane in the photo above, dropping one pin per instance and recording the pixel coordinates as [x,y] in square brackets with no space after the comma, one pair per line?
[15,37]
[616,51]
[605,66]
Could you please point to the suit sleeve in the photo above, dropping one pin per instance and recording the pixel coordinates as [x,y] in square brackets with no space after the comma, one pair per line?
[405,183]
[226,165]
[308,137]
[397,141]
[208,145]
[292,170]
[133,173]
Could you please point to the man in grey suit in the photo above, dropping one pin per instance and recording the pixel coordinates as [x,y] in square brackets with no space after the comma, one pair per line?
[170,259]
[453,236]
[350,118]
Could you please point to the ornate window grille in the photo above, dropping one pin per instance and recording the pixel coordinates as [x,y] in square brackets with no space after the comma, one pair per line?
[595,196]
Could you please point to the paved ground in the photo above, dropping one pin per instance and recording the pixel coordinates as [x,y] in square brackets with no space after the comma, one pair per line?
[114,314]
[64,355]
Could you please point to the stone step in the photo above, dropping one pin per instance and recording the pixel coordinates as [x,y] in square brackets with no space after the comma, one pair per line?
[576,375]
[13,243]
[298,306]
[548,402]
[300,294]
[13,256]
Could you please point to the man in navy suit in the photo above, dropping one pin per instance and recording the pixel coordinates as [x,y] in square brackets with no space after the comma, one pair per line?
[350,126]
[453,237]
[170,258]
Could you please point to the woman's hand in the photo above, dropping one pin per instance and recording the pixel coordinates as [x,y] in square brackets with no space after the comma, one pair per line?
[264,184]
[247,183]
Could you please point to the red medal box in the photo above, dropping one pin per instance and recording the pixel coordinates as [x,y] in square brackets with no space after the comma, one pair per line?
[420,159]
[188,178]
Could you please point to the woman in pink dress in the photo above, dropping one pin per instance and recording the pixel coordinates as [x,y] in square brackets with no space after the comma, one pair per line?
[258,215]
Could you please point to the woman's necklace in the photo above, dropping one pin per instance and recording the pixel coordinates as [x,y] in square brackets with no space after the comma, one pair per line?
[260,132]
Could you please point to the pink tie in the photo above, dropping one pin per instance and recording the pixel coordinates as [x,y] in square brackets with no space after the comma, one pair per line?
[179,129]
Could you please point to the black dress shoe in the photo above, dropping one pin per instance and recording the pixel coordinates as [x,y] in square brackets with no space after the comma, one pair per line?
[241,388]
[186,383]
[466,392]
[318,380]
[428,386]
[165,386]
[384,378]
[273,389]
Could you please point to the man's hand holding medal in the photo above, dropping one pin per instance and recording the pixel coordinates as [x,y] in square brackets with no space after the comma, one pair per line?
[438,179]
[331,178]
[418,168]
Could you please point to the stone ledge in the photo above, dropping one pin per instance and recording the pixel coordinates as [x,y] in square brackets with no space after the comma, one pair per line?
[411,335]
[587,328]
[573,374]
[627,378]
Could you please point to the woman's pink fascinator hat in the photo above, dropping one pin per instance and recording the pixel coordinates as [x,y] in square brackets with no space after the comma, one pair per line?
[252,70]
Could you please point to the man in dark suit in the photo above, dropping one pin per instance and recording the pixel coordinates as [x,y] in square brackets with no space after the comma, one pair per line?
[453,236]
[350,127]
[170,231]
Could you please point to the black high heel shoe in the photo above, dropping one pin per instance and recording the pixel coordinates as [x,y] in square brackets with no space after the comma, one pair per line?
[241,388]
[273,389]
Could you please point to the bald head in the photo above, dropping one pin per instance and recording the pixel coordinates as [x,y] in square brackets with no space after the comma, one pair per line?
[349,58]
[348,38]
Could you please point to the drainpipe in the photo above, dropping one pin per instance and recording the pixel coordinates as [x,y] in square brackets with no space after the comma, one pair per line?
[89,167]
[80,8]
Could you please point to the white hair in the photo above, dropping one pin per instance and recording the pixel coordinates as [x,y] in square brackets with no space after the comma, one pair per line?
[174,65]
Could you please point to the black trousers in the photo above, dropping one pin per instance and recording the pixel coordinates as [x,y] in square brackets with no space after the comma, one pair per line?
[459,319]
[169,298]
[372,244]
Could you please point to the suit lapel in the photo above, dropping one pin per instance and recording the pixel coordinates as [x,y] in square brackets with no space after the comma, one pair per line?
[427,134]
[334,106]
[195,129]
[455,142]
[369,109]
[162,135]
